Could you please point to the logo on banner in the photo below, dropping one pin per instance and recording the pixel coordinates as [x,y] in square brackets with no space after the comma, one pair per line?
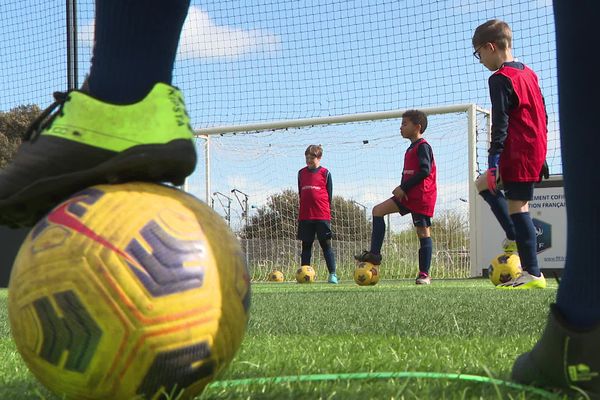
[543,234]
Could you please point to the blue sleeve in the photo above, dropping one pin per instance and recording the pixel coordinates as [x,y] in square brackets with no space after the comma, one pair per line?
[502,96]
[329,187]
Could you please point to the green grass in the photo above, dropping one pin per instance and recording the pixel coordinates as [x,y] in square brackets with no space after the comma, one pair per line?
[462,326]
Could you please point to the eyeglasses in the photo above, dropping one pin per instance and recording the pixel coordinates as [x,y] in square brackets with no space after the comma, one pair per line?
[476,52]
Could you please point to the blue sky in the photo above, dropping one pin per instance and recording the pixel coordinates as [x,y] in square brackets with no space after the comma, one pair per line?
[243,61]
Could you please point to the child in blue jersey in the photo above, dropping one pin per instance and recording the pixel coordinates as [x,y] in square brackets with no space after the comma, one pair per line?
[416,195]
[517,152]
[315,189]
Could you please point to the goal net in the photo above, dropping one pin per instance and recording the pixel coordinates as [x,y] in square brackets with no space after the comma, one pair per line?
[249,174]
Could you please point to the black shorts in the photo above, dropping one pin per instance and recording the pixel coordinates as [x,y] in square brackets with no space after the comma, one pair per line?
[418,219]
[522,191]
[308,228]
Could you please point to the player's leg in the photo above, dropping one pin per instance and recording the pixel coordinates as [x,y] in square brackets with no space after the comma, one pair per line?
[324,236]
[329,256]
[568,353]
[135,46]
[422,225]
[306,234]
[306,253]
[518,195]
[373,255]
[130,124]
[499,207]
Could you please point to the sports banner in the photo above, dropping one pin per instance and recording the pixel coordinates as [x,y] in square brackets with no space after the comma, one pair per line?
[547,209]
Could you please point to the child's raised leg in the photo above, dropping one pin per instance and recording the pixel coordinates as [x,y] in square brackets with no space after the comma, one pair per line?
[499,207]
[378,233]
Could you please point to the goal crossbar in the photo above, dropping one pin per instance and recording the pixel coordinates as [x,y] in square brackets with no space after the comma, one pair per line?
[334,119]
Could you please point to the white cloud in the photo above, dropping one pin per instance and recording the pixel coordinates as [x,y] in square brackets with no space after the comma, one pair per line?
[203,38]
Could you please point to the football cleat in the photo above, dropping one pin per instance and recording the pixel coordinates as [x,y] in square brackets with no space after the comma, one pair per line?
[509,246]
[367,256]
[332,279]
[80,141]
[525,281]
[423,279]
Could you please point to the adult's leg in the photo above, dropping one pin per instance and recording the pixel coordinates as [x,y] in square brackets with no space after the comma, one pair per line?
[84,139]
[568,353]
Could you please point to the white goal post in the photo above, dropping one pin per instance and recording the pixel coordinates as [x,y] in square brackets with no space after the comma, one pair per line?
[248,174]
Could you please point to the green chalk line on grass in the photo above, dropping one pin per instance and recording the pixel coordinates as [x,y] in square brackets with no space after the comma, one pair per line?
[382,375]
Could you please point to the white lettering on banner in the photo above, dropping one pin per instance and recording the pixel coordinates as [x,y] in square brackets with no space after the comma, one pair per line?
[554,204]
[554,259]
[549,197]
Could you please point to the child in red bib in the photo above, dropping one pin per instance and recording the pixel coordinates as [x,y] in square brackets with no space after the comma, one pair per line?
[315,189]
[416,195]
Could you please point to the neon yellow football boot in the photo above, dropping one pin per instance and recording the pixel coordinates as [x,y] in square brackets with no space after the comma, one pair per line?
[509,246]
[525,281]
[87,142]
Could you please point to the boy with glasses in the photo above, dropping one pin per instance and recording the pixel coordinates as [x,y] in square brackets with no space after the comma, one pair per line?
[517,152]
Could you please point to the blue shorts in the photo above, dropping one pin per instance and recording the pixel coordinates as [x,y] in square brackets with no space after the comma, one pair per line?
[418,219]
[308,228]
[522,191]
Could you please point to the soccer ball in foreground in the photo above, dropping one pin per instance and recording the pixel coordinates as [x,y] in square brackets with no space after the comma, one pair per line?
[276,276]
[366,274]
[306,274]
[127,291]
[503,268]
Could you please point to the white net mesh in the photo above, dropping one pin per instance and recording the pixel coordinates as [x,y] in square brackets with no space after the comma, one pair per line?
[365,160]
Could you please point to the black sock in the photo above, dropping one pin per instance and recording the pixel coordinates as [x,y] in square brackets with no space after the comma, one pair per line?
[328,254]
[377,235]
[526,242]
[425,254]
[578,295]
[135,46]
[306,254]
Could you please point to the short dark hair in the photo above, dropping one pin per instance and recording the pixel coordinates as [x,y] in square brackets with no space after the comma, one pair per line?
[493,31]
[416,117]
[314,150]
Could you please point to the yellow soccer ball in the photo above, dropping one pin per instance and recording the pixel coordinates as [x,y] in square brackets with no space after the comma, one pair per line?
[375,275]
[503,268]
[306,274]
[276,276]
[124,291]
[366,274]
